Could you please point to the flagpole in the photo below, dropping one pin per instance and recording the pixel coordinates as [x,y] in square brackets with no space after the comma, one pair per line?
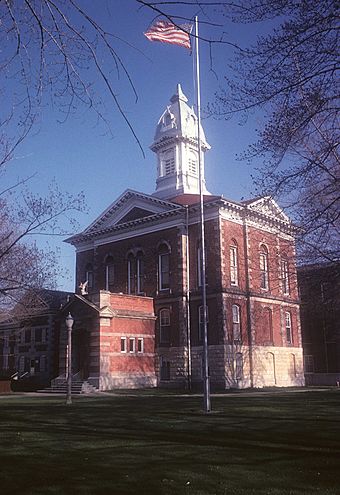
[206,378]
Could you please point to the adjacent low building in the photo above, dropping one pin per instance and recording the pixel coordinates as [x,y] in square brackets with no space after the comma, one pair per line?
[320,322]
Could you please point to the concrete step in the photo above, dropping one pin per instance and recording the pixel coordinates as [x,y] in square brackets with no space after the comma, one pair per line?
[59,386]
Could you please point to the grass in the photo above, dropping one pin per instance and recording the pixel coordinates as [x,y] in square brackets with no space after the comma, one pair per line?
[280,443]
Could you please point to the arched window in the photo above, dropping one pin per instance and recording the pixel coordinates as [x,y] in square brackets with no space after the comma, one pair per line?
[168,163]
[131,266]
[267,322]
[109,274]
[233,256]
[285,276]
[264,271]
[288,325]
[135,265]
[236,323]
[140,272]
[192,162]
[164,326]
[164,267]
[201,323]
[89,276]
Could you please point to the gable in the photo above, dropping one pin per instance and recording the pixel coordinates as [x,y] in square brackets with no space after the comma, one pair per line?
[130,206]
[268,207]
[135,214]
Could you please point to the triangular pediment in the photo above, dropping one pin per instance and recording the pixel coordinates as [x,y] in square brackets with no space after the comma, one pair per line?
[129,207]
[267,206]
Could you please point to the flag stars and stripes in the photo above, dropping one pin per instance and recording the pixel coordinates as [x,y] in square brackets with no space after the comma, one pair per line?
[166,32]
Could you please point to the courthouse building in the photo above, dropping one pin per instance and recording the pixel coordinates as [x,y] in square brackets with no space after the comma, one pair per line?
[139,319]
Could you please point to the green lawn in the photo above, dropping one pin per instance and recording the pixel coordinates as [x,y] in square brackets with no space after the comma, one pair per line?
[282,443]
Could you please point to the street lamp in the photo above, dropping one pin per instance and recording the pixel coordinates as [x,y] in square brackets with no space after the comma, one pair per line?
[69,324]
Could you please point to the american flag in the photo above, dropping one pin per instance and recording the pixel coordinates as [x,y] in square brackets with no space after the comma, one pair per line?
[167,32]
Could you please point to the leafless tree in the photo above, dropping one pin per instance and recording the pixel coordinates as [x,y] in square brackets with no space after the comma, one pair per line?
[50,51]
[24,266]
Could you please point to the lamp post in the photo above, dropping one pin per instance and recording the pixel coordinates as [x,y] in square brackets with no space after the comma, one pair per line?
[69,324]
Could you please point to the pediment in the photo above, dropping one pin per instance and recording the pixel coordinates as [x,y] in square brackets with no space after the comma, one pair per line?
[130,206]
[267,206]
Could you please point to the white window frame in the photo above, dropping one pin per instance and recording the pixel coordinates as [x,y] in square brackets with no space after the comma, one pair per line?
[140,344]
[89,276]
[109,275]
[288,326]
[233,255]
[193,163]
[164,323]
[132,341]
[140,273]
[168,163]
[123,347]
[130,274]
[285,276]
[161,272]
[264,270]
[236,318]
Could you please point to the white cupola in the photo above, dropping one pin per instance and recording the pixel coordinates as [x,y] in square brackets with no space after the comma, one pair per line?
[176,146]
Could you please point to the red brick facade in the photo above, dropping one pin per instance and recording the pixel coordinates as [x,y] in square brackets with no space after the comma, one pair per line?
[251,294]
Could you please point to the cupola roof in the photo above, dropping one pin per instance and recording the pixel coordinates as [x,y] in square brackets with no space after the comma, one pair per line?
[178,121]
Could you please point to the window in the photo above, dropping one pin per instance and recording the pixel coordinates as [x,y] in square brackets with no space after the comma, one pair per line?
[27,336]
[168,163]
[131,344]
[89,276]
[308,362]
[264,278]
[267,325]
[164,326]
[109,274]
[123,344]
[164,267]
[199,267]
[288,322]
[236,323]
[164,369]
[140,345]
[233,265]
[136,273]
[238,366]
[38,335]
[201,323]
[192,161]
[285,276]
[140,273]
[131,274]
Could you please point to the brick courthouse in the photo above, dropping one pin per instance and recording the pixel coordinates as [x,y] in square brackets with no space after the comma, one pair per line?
[139,320]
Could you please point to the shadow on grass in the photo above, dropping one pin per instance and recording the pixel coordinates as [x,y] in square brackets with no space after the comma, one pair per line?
[166,445]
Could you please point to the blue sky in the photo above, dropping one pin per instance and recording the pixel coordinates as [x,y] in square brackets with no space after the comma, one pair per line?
[80,156]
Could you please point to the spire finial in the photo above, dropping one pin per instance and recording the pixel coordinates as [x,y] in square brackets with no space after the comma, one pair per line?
[179,95]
